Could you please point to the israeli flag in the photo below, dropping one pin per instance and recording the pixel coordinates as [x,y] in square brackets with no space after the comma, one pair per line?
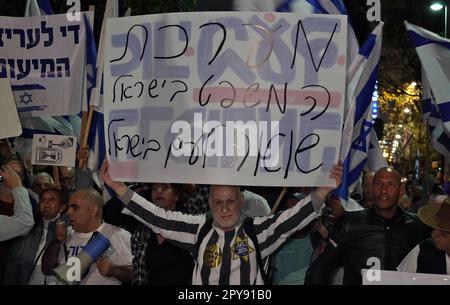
[96,138]
[440,140]
[434,54]
[358,124]
[59,125]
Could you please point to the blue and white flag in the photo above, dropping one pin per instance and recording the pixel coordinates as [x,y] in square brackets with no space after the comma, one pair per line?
[375,159]
[32,9]
[439,138]
[38,8]
[60,125]
[96,139]
[358,124]
[434,54]
[43,58]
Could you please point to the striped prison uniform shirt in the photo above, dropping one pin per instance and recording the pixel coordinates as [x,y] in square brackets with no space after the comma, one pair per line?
[223,257]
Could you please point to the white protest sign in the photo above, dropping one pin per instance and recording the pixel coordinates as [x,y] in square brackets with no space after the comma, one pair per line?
[403,278]
[54,150]
[9,119]
[250,98]
[44,58]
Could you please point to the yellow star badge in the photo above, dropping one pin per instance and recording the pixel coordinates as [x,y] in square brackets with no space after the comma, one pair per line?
[241,248]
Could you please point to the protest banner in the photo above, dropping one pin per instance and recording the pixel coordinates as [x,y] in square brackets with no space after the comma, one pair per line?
[44,58]
[247,99]
[53,150]
[9,119]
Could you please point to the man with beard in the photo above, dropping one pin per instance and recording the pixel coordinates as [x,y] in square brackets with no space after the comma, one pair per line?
[383,233]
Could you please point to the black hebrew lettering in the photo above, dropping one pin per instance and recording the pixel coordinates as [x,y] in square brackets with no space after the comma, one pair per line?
[46,67]
[222,42]
[185,46]
[126,43]
[316,66]
[315,102]
[301,149]
[33,41]
[75,29]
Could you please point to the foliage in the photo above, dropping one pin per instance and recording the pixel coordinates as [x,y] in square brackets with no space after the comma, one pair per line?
[408,124]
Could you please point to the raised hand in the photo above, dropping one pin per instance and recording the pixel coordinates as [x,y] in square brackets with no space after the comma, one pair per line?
[10,178]
[336,173]
[118,187]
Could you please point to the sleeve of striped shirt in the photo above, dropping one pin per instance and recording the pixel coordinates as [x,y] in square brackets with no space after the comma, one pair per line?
[271,231]
[180,229]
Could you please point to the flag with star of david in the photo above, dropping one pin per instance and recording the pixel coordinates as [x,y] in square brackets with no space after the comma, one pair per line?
[434,55]
[60,125]
[356,136]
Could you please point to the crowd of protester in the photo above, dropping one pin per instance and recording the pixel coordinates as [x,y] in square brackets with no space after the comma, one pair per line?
[165,233]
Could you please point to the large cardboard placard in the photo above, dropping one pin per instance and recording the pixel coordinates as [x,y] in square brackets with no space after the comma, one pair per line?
[244,98]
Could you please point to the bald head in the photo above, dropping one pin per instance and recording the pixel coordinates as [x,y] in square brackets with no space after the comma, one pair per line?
[91,196]
[41,181]
[387,190]
[85,210]
[389,171]
[67,177]
[213,187]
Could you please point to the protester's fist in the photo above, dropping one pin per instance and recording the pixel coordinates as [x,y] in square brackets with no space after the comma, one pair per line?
[336,173]
[83,154]
[118,187]
[10,178]
[105,267]
[335,206]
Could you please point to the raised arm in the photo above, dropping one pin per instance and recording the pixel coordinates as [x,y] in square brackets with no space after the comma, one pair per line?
[181,229]
[22,220]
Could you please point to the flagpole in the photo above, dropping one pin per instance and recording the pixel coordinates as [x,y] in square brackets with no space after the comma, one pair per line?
[280,197]
[56,176]
[426,181]
[86,119]
[446,36]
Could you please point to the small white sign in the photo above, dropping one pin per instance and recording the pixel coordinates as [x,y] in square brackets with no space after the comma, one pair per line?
[54,150]
[9,119]
[403,278]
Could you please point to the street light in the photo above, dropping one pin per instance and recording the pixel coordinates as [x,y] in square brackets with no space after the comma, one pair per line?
[437,6]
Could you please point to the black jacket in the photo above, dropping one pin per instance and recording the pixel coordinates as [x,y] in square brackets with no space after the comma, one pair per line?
[360,235]
[431,259]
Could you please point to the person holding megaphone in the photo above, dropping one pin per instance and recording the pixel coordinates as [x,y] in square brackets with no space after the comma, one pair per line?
[90,251]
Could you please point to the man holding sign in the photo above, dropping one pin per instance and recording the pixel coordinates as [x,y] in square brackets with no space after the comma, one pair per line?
[228,249]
